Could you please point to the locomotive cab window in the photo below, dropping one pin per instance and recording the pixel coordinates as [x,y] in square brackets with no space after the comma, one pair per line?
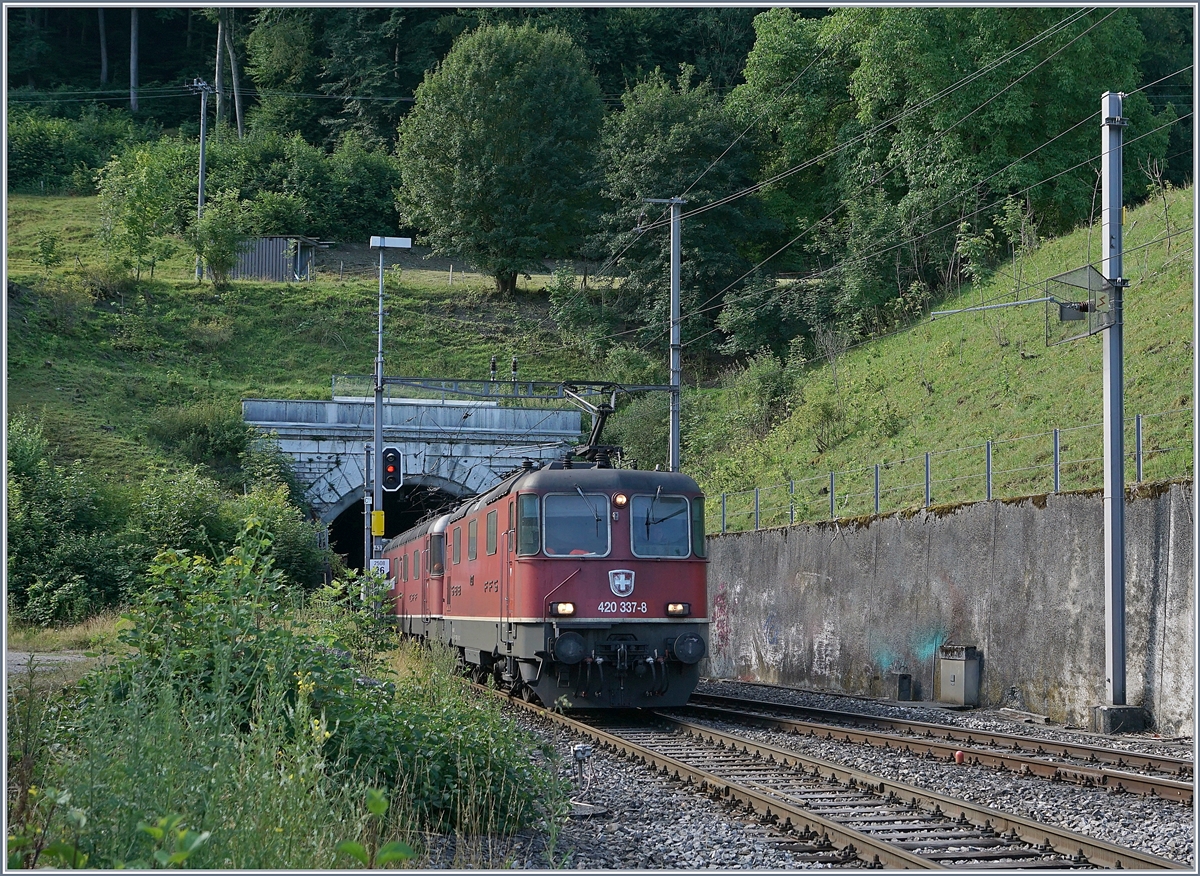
[417,565]
[457,545]
[576,524]
[527,527]
[659,526]
[472,539]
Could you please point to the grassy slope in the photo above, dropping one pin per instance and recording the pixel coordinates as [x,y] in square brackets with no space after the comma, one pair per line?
[957,381]
[940,385]
[95,384]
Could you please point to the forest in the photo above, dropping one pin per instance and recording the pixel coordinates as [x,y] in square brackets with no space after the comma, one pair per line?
[840,168]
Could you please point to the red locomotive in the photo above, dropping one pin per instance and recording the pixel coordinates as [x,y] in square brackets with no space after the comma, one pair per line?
[577,584]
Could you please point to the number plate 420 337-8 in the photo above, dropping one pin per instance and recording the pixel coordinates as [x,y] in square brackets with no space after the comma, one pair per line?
[614,607]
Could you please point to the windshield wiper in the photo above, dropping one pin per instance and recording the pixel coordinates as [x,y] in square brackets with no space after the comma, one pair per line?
[595,513]
[650,510]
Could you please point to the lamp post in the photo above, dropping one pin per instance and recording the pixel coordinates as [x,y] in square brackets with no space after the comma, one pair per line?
[380,243]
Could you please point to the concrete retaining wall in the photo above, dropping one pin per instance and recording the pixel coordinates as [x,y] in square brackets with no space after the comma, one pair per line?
[846,606]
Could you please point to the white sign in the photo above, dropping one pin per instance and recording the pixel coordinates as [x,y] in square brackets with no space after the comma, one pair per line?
[383,567]
[391,242]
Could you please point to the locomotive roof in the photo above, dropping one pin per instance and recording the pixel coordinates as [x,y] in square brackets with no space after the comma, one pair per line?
[555,479]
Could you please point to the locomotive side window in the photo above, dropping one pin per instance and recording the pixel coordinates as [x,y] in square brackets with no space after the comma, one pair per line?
[457,545]
[417,564]
[491,533]
[698,544]
[659,526]
[576,524]
[527,529]
[472,539]
[437,554]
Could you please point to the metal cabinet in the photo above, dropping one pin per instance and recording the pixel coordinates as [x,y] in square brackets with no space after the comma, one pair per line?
[958,675]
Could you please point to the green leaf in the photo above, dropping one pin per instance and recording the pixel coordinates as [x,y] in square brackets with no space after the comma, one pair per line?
[377,803]
[355,851]
[151,829]
[191,840]
[66,853]
[393,851]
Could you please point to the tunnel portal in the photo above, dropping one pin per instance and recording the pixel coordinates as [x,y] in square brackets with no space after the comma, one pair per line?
[402,510]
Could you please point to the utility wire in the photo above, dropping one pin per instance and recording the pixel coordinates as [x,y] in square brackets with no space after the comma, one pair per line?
[1003,59]
[890,248]
[711,299]
[1053,30]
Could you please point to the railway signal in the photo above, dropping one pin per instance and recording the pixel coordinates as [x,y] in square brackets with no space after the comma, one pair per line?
[393,472]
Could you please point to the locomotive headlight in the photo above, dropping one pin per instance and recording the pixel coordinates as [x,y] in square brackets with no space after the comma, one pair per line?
[620,500]
[562,609]
[679,609]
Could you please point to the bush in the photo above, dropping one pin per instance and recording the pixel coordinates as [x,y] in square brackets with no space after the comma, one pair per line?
[641,429]
[206,433]
[65,533]
[67,302]
[296,542]
[221,235]
[48,154]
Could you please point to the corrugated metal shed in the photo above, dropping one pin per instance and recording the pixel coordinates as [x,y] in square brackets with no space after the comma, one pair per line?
[281,259]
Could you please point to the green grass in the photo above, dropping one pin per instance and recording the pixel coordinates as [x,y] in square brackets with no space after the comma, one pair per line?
[950,384]
[95,376]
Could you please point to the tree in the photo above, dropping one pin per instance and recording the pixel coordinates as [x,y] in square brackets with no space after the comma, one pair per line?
[675,139]
[139,198]
[282,64]
[220,236]
[495,155]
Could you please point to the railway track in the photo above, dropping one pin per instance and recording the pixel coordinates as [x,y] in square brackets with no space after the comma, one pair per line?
[1168,778]
[837,816]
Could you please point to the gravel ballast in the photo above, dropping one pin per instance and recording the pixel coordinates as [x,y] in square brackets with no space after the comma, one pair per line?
[629,817]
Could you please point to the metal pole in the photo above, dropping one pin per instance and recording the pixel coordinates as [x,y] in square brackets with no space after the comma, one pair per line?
[832,499]
[1114,403]
[928,484]
[792,502]
[1057,460]
[876,488]
[378,478]
[367,507]
[722,512]
[756,509]
[204,90]
[676,347]
[989,470]
[1137,444]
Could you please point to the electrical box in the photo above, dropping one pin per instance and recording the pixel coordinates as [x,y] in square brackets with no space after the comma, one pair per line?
[958,675]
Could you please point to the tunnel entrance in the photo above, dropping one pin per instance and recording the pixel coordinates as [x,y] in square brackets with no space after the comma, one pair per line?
[402,510]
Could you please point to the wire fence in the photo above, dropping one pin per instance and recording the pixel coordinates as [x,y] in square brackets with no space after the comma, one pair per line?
[1158,447]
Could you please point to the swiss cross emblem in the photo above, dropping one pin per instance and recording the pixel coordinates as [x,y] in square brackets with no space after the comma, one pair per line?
[620,581]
